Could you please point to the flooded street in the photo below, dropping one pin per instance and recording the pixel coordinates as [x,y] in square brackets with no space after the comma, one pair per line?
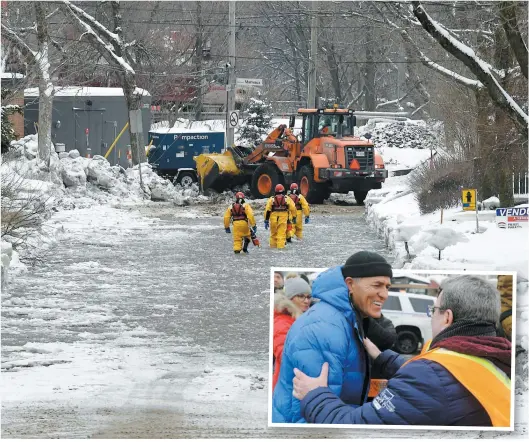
[142,323]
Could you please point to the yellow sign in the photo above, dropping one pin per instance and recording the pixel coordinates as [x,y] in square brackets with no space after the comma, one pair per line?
[468,196]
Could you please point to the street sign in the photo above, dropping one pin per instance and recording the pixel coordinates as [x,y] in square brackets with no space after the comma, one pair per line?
[468,196]
[234,118]
[249,82]
[511,218]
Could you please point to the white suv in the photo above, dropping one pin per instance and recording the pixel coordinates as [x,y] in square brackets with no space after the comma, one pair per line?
[409,314]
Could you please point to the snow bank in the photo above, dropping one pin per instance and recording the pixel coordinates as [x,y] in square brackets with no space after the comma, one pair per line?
[395,214]
[71,181]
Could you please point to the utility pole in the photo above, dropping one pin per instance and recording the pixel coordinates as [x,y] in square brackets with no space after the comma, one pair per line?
[230,131]
[311,94]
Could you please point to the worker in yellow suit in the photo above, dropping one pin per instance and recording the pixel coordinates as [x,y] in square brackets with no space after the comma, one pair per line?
[241,214]
[302,208]
[277,210]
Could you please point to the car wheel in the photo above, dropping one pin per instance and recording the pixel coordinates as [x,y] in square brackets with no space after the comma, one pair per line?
[407,342]
[185,179]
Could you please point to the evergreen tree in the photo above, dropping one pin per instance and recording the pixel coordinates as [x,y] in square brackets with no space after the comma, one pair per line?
[258,124]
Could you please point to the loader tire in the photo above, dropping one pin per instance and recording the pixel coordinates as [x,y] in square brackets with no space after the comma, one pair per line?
[360,196]
[264,180]
[314,192]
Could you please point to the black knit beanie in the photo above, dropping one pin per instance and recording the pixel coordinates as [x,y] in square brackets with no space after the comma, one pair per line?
[365,264]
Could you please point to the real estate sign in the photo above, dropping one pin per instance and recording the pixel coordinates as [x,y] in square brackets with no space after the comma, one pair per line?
[511,217]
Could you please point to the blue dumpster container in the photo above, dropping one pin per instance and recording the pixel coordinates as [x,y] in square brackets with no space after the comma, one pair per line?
[171,153]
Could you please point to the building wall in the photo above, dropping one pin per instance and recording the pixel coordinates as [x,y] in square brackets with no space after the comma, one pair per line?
[104,118]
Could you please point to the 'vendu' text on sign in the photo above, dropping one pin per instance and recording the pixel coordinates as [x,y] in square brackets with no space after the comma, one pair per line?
[511,217]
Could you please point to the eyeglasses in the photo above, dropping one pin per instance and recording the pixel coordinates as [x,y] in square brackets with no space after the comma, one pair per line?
[431,309]
[303,297]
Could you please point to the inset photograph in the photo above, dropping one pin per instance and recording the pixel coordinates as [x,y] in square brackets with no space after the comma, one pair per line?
[366,345]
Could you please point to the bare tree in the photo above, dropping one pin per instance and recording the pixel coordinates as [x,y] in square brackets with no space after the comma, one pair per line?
[118,53]
[40,59]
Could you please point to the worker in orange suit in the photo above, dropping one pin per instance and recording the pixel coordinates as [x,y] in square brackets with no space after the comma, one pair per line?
[277,210]
[302,208]
[241,215]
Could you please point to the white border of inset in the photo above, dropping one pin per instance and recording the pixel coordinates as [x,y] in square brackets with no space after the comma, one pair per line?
[400,427]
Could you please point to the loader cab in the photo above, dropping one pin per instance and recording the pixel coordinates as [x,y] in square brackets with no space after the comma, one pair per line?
[326,122]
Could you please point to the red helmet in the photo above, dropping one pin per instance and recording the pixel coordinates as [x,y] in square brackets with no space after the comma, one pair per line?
[239,196]
[280,188]
[293,186]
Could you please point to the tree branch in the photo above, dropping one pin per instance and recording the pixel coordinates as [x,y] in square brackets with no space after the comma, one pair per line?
[454,76]
[100,29]
[510,25]
[476,65]
[28,54]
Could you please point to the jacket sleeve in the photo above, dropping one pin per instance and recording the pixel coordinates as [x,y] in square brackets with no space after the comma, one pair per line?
[382,332]
[415,396]
[388,363]
[227,217]
[280,335]
[268,209]
[291,207]
[304,205]
[317,347]
[249,214]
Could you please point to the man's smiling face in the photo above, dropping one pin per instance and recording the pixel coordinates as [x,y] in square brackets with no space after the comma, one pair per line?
[369,294]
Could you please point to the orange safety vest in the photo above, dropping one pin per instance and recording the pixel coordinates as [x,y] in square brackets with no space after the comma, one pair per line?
[486,382]
[295,199]
[238,213]
[279,204]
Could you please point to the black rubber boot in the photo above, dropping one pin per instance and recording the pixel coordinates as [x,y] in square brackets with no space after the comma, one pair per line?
[289,239]
[245,246]
[236,251]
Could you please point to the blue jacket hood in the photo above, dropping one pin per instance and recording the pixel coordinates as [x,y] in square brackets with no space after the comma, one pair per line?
[330,287]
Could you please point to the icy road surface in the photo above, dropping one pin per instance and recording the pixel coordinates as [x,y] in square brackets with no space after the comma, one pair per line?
[143,324]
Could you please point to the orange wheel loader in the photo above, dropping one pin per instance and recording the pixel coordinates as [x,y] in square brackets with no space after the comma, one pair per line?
[326,157]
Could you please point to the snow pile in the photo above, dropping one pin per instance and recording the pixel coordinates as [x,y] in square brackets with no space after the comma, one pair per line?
[72,176]
[71,181]
[404,134]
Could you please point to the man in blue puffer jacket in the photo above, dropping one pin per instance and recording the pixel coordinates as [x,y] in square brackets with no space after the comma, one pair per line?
[463,379]
[332,331]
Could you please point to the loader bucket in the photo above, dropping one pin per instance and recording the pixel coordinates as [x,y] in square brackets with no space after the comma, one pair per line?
[218,171]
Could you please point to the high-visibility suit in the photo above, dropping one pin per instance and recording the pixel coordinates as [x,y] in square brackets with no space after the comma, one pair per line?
[242,217]
[302,208]
[277,210]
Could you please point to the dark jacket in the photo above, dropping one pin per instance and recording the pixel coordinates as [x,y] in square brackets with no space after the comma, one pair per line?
[420,393]
[328,332]
[381,331]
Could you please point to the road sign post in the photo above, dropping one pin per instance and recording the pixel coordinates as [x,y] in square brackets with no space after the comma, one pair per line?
[249,82]
[234,118]
[468,197]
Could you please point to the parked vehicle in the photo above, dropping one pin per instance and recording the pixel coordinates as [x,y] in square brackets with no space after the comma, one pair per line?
[172,152]
[408,312]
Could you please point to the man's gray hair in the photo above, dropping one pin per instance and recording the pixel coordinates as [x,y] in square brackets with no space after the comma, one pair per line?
[471,298]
